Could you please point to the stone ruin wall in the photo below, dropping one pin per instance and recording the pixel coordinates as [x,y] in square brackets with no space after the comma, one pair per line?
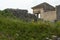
[58,12]
[49,16]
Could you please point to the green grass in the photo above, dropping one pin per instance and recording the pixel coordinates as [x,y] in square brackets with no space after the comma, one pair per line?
[16,29]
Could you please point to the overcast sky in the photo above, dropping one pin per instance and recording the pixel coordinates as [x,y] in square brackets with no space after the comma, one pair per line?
[25,4]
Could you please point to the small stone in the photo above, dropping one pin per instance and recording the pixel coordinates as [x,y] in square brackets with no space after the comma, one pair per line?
[58,38]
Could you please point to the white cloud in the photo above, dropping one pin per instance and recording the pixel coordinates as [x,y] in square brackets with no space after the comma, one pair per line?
[24,4]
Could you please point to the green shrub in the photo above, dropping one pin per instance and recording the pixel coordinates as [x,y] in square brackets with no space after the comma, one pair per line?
[16,29]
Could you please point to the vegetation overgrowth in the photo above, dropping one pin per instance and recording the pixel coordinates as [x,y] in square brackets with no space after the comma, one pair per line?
[12,28]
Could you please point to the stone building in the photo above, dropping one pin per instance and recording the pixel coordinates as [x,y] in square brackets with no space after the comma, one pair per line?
[47,12]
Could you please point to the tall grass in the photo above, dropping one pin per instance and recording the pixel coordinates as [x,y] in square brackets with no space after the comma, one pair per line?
[16,29]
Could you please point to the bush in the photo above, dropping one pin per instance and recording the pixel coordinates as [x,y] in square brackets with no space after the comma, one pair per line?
[13,29]
[16,29]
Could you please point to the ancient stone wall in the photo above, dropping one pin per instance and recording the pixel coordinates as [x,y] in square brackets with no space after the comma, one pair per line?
[49,16]
[22,14]
[58,12]
[38,10]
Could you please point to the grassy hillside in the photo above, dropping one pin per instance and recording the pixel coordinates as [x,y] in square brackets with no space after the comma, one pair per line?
[16,29]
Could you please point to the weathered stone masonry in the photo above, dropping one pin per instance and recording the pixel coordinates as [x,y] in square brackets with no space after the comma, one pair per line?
[47,12]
